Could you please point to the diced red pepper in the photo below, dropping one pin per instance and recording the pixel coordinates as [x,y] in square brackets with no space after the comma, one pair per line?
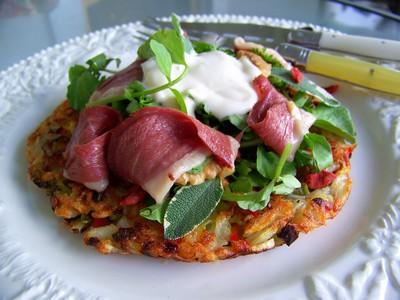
[234,234]
[135,195]
[100,222]
[296,75]
[319,180]
[332,88]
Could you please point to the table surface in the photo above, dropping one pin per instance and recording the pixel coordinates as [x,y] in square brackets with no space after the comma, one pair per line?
[28,26]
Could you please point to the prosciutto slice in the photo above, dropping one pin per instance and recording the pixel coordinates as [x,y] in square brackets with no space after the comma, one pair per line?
[116,84]
[85,153]
[155,145]
[276,120]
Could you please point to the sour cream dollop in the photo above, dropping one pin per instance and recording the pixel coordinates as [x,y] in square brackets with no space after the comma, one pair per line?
[219,81]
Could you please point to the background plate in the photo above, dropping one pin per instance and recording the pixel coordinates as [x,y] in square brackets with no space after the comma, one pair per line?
[355,257]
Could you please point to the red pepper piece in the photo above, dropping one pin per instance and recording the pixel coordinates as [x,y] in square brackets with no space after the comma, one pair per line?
[320,180]
[100,222]
[234,234]
[297,76]
[332,88]
[135,195]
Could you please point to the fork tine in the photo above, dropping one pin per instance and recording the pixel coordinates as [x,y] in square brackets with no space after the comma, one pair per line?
[154,24]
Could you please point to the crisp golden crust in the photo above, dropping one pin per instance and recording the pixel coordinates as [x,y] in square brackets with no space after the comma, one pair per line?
[230,231]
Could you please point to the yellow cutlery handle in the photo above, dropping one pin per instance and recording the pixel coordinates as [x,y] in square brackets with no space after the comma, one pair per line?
[355,71]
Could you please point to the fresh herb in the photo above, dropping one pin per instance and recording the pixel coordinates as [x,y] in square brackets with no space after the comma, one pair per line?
[300,99]
[83,81]
[137,102]
[238,121]
[267,163]
[204,116]
[320,149]
[168,47]
[201,47]
[241,185]
[336,120]
[180,100]
[190,206]
[306,85]
[163,58]
[258,200]
[154,212]
[267,57]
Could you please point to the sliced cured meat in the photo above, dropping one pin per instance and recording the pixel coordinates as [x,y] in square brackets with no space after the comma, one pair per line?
[164,141]
[276,120]
[116,84]
[85,153]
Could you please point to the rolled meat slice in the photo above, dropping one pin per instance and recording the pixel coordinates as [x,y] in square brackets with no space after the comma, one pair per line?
[276,120]
[155,145]
[85,153]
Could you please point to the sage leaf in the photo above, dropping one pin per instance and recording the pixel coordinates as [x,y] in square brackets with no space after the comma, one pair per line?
[190,206]
[163,58]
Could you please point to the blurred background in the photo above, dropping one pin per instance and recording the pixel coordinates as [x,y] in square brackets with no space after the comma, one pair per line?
[28,26]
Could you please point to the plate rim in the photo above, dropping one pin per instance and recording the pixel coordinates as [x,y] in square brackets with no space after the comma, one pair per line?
[13,261]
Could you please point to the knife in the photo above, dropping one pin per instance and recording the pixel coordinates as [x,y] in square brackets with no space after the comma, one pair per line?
[352,70]
[355,71]
[359,45]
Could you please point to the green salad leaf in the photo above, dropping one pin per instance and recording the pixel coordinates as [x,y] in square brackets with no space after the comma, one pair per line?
[190,206]
[267,162]
[163,58]
[257,200]
[137,102]
[320,149]
[336,120]
[154,212]
[83,81]
[306,86]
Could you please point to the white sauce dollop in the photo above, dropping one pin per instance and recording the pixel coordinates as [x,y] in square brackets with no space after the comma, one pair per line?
[220,81]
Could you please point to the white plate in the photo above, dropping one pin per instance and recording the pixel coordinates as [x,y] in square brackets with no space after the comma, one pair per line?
[356,256]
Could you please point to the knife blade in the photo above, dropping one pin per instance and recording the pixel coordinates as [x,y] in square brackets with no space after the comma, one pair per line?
[273,36]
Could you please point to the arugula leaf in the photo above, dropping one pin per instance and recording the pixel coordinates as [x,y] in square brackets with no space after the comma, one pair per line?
[300,99]
[200,46]
[305,85]
[190,206]
[154,212]
[288,185]
[241,185]
[163,58]
[267,163]
[180,100]
[82,85]
[258,200]
[238,121]
[336,120]
[320,149]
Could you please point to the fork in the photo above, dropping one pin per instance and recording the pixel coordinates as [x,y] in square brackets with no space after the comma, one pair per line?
[151,25]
